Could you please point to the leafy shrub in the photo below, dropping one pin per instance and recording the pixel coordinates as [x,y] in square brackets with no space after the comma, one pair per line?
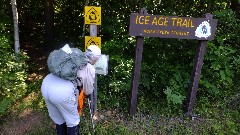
[221,64]
[12,70]
[114,88]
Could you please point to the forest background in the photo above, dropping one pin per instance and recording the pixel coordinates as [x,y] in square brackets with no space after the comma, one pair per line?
[166,67]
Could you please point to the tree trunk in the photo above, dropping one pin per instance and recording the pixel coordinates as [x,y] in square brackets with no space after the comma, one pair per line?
[1,4]
[49,24]
[16,29]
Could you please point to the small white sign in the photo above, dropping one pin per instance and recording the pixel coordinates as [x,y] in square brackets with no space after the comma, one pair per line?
[203,30]
[102,65]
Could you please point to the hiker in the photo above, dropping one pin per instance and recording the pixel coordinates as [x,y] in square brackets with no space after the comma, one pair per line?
[61,95]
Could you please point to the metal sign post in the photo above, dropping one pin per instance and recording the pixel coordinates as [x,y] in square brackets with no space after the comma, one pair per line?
[93,17]
[93,33]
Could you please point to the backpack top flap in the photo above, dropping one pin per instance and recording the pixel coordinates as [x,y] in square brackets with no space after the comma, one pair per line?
[65,65]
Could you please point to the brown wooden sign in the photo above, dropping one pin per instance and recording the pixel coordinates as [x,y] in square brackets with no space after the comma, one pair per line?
[145,25]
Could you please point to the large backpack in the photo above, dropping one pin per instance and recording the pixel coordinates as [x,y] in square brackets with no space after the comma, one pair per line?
[66,64]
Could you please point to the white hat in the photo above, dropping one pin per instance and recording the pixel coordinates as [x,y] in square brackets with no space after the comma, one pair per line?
[94,49]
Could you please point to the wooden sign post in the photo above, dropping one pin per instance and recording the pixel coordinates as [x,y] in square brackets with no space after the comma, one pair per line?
[136,69]
[195,76]
[144,25]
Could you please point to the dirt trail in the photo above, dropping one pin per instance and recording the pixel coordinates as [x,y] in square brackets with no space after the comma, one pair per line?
[20,124]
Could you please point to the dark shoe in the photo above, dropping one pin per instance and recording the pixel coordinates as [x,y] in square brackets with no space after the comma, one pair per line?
[61,129]
[73,130]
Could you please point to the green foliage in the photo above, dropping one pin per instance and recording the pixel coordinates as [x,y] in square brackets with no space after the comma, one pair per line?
[4,105]
[4,27]
[166,63]
[31,20]
[13,75]
[70,18]
[115,87]
[176,92]
[223,114]
[227,28]
[165,70]
[221,65]
[221,69]
[173,97]
[12,69]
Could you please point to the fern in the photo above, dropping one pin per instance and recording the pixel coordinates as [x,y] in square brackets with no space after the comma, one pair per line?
[4,105]
[173,96]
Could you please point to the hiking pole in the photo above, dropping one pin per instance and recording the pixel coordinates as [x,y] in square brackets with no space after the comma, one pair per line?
[90,109]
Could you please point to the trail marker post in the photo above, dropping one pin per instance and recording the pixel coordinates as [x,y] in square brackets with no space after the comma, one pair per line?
[145,25]
[93,17]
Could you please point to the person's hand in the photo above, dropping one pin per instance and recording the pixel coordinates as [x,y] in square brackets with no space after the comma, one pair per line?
[79,88]
[88,96]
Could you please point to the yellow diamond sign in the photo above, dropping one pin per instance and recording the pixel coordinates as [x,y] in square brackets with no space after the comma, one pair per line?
[92,41]
[92,15]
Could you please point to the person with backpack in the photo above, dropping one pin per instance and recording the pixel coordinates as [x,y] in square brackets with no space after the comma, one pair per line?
[69,69]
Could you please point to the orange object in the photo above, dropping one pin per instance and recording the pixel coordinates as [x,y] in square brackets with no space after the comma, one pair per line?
[80,102]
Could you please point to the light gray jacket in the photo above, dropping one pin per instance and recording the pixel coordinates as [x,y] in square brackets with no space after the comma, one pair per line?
[87,77]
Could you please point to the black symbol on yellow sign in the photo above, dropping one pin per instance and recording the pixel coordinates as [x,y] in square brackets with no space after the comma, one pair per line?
[93,15]
[92,41]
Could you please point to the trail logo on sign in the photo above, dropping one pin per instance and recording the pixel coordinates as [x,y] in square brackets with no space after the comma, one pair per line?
[92,15]
[203,30]
[92,41]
